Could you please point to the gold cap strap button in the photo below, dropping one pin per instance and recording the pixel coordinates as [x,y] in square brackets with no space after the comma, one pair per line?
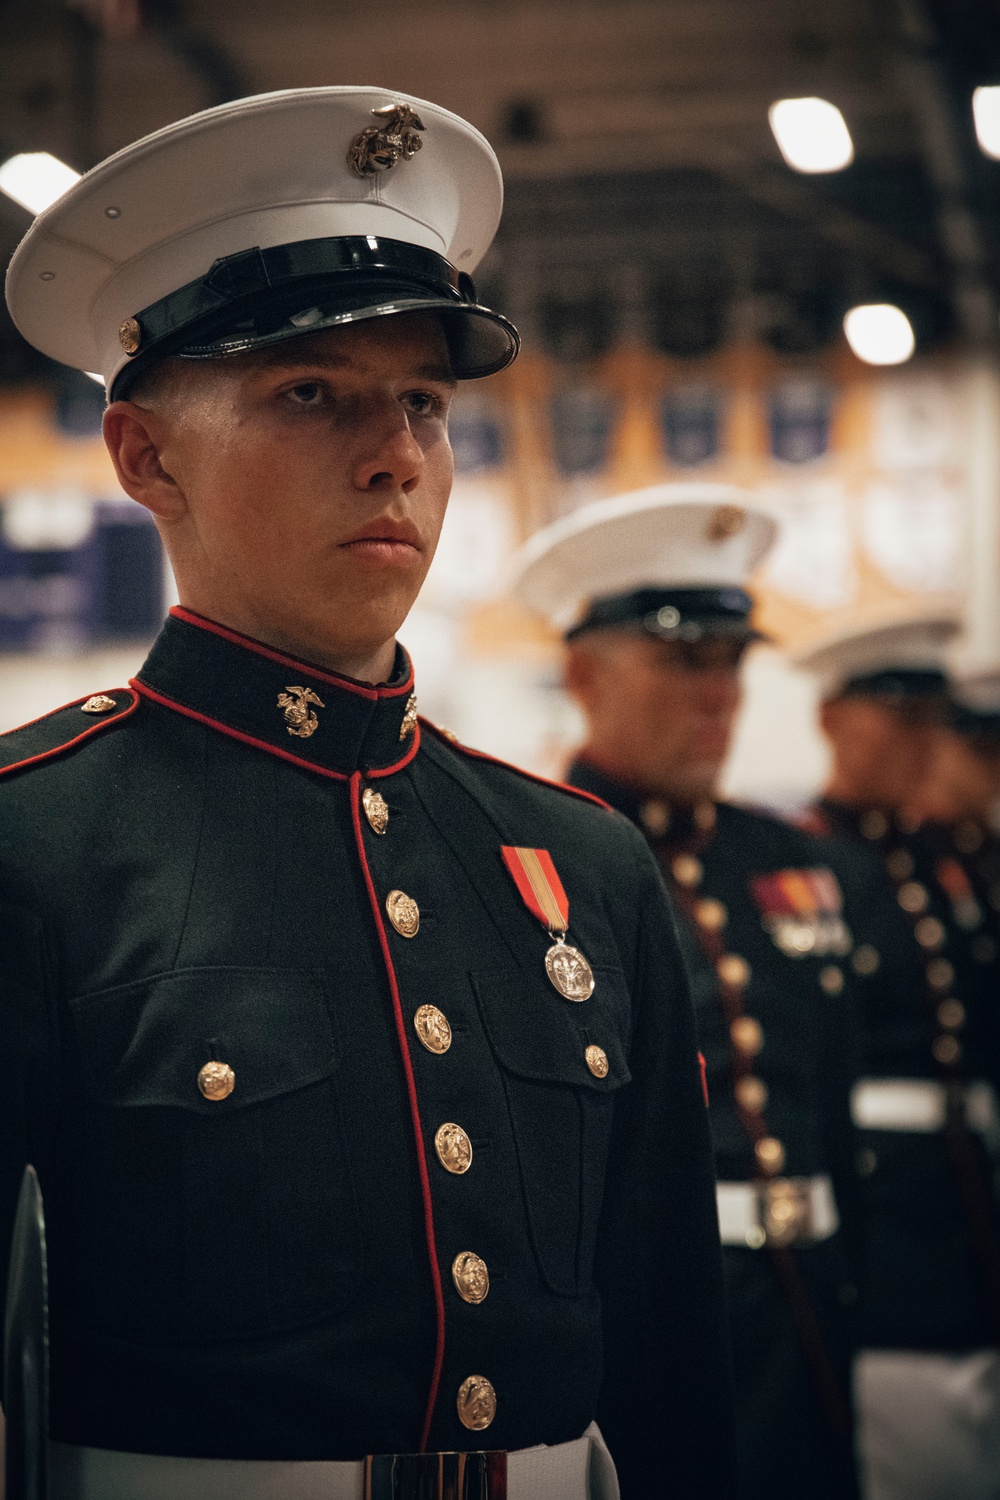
[100,703]
[453,1147]
[597,1061]
[477,1403]
[376,809]
[404,913]
[433,1029]
[471,1276]
[216,1080]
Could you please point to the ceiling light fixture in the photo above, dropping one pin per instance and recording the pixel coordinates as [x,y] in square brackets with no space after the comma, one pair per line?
[35,179]
[811,134]
[986,116]
[880,334]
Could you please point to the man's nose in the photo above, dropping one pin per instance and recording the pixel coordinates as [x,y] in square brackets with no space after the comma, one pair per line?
[391,458]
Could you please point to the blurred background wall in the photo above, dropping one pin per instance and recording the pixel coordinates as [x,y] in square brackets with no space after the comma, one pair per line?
[681,286]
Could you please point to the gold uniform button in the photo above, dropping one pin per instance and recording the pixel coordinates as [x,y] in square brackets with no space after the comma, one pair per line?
[929,932]
[655,817]
[865,959]
[946,1050]
[733,969]
[471,1277]
[433,1029]
[770,1154]
[711,914]
[100,703]
[597,1061]
[454,1148]
[831,979]
[951,1014]
[686,869]
[912,897]
[216,1080]
[940,974]
[476,1402]
[899,863]
[404,913]
[704,816]
[874,825]
[751,1093]
[747,1035]
[376,810]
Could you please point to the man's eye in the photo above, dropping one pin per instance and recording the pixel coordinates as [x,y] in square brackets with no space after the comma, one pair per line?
[423,403]
[308,393]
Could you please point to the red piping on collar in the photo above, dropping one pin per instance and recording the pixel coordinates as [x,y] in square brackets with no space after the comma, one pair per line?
[349,685]
[559,786]
[411,1089]
[249,739]
[86,734]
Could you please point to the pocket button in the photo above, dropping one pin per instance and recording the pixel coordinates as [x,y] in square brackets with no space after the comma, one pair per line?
[216,1080]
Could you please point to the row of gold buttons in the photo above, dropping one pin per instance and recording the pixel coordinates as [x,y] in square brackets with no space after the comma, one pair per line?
[476,1401]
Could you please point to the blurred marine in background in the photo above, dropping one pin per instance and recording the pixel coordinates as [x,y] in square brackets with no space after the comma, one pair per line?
[346,1059]
[928,1384]
[649,589]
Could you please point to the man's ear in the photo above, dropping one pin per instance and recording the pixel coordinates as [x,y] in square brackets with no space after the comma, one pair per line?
[134,438]
[829,716]
[579,671]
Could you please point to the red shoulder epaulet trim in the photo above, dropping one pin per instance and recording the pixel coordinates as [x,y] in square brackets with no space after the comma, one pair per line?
[560,786]
[126,701]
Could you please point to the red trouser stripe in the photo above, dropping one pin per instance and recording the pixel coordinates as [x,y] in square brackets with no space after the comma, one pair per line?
[411,1089]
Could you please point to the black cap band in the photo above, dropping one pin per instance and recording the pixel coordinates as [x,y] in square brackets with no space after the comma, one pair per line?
[259,297]
[974,723]
[674,614]
[897,682]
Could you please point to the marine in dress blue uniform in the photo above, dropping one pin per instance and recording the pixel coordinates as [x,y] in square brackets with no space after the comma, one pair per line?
[928,1379]
[350,1163]
[657,580]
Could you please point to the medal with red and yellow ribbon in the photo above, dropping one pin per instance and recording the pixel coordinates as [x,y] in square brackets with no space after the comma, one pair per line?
[542,892]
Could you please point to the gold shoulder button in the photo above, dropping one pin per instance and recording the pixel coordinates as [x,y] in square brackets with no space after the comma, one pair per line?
[100,703]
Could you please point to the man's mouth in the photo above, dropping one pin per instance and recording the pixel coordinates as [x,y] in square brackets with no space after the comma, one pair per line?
[385,540]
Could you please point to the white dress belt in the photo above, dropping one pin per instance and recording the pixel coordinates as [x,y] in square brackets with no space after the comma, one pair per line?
[919,1104]
[581,1470]
[783,1212]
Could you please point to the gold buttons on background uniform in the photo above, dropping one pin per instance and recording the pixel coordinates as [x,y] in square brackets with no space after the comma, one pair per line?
[940,974]
[454,1148]
[686,869]
[655,817]
[376,810]
[770,1154]
[476,1402]
[432,1028]
[865,959]
[597,1061]
[733,969]
[471,1277]
[711,914]
[751,1093]
[404,913]
[831,979]
[946,1050]
[912,897]
[929,932]
[216,1080]
[747,1035]
[899,863]
[874,825]
[951,1014]
[100,703]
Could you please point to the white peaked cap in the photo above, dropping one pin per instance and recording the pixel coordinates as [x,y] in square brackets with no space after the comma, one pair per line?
[266,171]
[672,536]
[916,644]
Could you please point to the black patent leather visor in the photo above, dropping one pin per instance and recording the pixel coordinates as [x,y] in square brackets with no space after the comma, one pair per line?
[262,297]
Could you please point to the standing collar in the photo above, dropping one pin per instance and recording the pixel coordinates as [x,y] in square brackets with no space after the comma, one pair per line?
[289,708]
[661,821]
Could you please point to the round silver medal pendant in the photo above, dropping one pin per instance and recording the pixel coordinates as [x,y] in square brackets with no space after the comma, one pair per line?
[569,971]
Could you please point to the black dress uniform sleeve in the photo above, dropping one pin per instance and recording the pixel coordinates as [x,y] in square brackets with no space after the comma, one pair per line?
[668,1423]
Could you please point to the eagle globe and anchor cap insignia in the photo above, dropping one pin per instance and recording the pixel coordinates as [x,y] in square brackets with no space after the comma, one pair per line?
[300,719]
[377,148]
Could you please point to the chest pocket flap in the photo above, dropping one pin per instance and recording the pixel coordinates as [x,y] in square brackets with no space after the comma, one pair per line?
[537,1035]
[146,1043]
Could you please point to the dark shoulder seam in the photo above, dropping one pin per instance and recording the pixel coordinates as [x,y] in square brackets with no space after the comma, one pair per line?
[506,765]
[87,734]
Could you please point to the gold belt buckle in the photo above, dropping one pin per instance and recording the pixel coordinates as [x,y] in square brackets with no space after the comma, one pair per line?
[786,1210]
[436,1476]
